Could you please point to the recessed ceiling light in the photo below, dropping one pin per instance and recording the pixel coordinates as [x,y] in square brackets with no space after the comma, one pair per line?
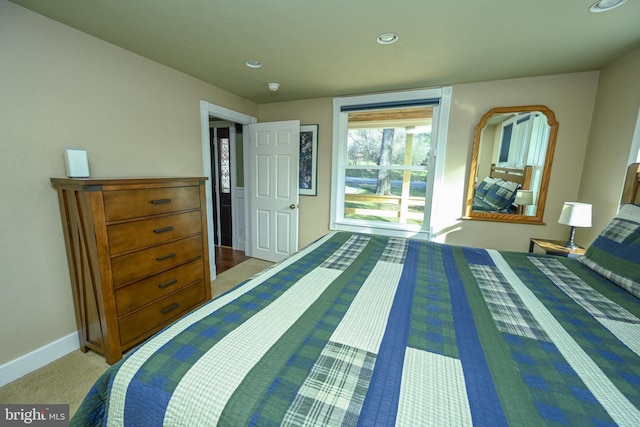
[252,63]
[605,5]
[387,38]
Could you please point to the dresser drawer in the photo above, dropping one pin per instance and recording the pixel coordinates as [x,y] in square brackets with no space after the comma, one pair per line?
[125,204]
[129,236]
[134,296]
[160,313]
[138,265]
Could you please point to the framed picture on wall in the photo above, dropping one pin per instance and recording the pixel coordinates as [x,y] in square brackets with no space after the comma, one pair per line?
[308,159]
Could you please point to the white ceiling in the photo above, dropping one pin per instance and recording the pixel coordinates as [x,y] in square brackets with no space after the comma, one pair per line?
[326,48]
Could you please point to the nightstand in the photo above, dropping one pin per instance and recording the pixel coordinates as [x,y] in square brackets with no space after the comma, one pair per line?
[555,247]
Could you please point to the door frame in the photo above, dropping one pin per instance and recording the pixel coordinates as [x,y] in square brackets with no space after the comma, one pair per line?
[207,110]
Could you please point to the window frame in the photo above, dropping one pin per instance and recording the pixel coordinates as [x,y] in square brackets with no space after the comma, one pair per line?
[435,169]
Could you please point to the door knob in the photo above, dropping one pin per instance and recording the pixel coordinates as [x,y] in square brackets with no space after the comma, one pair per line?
[292,206]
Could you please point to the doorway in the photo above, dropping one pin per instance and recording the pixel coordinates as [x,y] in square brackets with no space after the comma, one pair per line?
[244,234]
[221,171]
[210,112]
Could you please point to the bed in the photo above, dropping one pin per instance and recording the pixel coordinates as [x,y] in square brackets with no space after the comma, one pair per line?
[497,192]
[368,330]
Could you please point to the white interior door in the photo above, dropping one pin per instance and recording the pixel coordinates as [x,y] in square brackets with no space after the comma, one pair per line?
[273,163]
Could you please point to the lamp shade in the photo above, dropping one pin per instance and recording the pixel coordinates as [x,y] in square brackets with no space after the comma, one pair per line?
[524,197]
[576,214]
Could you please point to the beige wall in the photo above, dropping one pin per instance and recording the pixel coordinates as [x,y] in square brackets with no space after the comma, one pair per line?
[60,87]
[616,110]
[570,96]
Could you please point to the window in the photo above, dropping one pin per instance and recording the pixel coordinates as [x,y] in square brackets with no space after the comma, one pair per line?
[225,166]
[506,143]
[388,155]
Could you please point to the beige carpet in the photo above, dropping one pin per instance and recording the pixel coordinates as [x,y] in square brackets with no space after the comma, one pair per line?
[68,379]
[241,272]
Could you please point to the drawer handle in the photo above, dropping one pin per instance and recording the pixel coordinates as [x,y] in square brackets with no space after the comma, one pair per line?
[169,283]
[160,201]
[162,258]
[163,229]
[170,308]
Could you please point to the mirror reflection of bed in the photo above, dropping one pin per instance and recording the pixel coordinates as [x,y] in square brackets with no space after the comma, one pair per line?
[499,191]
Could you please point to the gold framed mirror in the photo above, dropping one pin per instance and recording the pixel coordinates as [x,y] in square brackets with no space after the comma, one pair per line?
[510,164]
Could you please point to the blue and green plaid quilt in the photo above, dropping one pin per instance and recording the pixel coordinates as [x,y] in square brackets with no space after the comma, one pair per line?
[369,330]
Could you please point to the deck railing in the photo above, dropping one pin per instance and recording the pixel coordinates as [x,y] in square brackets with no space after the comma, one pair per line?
[402,213]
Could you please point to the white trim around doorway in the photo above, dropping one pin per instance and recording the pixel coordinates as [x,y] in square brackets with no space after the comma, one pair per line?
[208,110]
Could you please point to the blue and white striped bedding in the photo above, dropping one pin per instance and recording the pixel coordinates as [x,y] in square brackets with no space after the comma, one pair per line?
[369,330]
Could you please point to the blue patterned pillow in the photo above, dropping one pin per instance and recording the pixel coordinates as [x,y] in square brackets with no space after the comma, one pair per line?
[483,188]
[615,254]
[501,194]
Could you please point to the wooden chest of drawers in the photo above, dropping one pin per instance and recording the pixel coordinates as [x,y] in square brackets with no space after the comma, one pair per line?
[138,256]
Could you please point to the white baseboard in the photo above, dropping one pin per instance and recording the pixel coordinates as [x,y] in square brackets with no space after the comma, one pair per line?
[38,358]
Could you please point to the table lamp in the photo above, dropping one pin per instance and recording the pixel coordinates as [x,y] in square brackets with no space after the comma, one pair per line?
[575,214]
[523,198]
